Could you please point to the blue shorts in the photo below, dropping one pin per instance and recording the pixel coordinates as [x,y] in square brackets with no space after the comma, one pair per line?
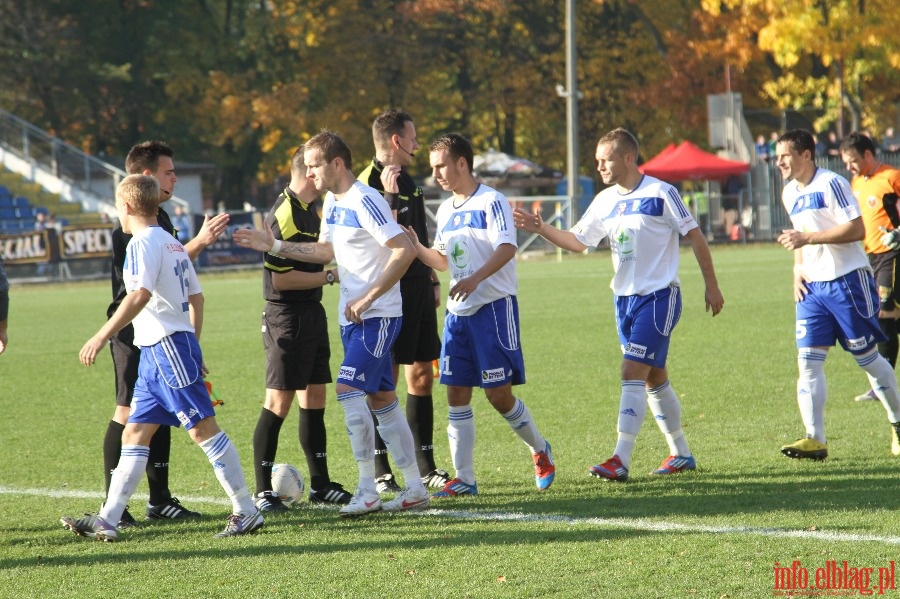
[645,324]
[170,388]
[844,310]
[483,349]
[367,354]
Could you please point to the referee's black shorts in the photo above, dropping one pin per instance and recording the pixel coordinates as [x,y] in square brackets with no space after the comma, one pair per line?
[126,358]
[295,338]
[885,266]
[418,340]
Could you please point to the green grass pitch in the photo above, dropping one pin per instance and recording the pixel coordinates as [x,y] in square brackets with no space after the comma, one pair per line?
[715,532]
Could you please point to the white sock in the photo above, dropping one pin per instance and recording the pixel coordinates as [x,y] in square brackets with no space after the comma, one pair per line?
[461,433]
[223,456]
[398,439]
[519,419]
[125,479]
[666,409]
[884,382]
[812,392]
[362,435]
[632,409]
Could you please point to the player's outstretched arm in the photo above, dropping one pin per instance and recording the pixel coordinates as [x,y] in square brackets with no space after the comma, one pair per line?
[429,256]
[130,307]
[533,223]
[714,299]
[264,241]
[212,229]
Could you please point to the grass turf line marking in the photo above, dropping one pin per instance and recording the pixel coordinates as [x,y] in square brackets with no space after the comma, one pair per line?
[613,523]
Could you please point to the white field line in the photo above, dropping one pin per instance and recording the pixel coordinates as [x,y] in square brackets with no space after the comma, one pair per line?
[611,523]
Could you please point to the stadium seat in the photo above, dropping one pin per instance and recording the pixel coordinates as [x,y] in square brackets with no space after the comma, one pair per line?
[8,214]
[5,193]
[21,202]
[6,202]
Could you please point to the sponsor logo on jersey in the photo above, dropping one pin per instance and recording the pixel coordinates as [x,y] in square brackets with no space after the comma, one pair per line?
[460,254]
[624,241]
[493,375]
[347,372]
[633,349]
[858,343]
[174,248]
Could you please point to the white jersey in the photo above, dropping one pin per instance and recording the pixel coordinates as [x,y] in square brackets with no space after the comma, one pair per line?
[468,235]
[826,202]
[643,227]
[157,262]
[358,226]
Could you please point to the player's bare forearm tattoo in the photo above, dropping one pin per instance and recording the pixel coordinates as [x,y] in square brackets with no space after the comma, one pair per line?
[297,248]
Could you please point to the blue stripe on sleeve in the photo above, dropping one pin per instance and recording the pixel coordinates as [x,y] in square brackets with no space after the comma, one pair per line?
[373,211]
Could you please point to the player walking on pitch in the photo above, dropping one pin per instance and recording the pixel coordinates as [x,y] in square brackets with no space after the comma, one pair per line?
[643,218]
[476,240]
[154,158]
[836,296]
[166,304]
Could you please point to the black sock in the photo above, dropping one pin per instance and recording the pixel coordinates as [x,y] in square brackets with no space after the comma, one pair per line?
[265,445]
[112,449]
[313,442]
[158,465]
[382,466]
[420,415]
[891,347]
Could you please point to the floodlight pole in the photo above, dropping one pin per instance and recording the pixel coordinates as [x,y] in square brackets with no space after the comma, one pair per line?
[571,113]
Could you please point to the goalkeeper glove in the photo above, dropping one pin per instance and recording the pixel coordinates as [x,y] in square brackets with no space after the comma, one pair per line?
[890,239]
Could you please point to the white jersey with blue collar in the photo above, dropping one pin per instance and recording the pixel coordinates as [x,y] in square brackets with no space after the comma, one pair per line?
[825,202]
[358,226]
[643,227]
[468,236]
[157,262]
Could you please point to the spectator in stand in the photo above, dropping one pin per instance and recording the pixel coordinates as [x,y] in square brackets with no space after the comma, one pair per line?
[182,223]
[773,139]
[762,148]
[890,144]
[832,146]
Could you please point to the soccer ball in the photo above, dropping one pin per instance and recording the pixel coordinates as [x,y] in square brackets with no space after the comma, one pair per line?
[288,483]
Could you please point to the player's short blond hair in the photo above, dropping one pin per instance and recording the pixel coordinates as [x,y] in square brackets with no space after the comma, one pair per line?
[141,193]
[622,142]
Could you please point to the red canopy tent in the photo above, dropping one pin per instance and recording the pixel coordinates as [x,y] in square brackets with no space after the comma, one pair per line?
[659,158]
[687,161]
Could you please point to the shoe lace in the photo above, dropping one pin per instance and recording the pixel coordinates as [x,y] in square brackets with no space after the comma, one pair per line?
[234,522]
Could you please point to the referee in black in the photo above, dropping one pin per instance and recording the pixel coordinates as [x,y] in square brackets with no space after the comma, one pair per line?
[295,338]
[418,344]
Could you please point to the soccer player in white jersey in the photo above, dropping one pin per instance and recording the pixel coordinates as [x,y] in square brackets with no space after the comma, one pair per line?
[165,303]
[836,295]
[372,253]
[476,240]
[643,218]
